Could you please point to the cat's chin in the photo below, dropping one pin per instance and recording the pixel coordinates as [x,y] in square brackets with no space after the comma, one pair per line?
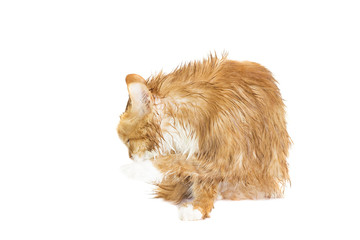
[142,171]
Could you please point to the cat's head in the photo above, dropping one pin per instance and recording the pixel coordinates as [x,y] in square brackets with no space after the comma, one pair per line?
[136,127]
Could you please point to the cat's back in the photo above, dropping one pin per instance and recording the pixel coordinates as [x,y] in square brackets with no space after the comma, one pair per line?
[217,81]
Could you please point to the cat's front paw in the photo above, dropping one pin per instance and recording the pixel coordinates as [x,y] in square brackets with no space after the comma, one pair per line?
[143,171]
[188,213]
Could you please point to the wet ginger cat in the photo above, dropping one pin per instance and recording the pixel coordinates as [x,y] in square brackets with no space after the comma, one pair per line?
[214,128]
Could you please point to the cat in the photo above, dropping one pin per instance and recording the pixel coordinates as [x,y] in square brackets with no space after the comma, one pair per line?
[214,128]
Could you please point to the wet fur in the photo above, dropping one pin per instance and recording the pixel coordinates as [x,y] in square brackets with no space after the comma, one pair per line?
[214,128]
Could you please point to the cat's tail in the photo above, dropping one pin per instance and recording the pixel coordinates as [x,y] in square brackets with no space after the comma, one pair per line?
[173,190]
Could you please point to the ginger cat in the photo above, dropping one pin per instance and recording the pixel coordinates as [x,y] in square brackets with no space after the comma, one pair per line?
[214,128]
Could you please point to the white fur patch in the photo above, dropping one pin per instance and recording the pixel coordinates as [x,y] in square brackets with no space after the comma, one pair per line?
[188,213]
[142,170]
[178,138]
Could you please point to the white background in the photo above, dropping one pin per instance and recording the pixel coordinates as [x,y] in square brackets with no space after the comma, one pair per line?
[62,89]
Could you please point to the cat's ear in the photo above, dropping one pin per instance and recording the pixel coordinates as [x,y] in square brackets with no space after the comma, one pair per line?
[141,98]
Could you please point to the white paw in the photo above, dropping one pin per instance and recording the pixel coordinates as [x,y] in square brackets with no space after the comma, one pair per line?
[143,171]
[188,213]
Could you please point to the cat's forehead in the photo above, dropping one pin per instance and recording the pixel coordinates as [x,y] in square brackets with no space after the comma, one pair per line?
[130,125]
[126,125]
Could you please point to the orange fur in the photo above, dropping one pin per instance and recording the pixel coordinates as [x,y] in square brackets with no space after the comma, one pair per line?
[215,127]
